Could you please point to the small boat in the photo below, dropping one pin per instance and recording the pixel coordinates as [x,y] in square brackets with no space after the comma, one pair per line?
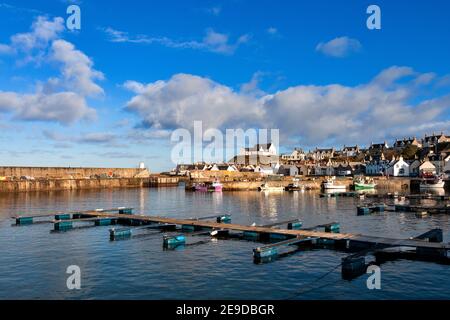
[216,186]
[329,184]
[361,183]
[265,187]
[434,183]
[295,187]
[201,187]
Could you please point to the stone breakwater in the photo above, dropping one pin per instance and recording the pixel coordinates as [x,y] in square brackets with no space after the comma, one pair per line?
[70,184]
[71,173]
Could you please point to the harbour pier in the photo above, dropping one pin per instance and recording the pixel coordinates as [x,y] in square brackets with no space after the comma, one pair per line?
[280,241]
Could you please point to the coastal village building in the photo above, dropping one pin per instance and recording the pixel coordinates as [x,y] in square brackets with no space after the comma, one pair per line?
[378,147]
[324,169]
[184,169]
[434,139]
[377,165]
[296,155]
[343,170]
[398,168]
[265,170]
[401,144]
[322,154]
[446,169]
[268,149]
[414,168]
[350,151]
[223,167]
[288,170]
[426,168]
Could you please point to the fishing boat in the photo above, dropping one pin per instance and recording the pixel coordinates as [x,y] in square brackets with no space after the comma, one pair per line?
[434,183]
[295,186]
[361,183]
[201,187]
[216,186]
[266,187]
[329,184]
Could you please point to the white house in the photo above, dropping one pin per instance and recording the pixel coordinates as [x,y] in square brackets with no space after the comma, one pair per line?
[265,170]
[223,167]
[427,168]
[268,149]
[446,169]
[398,168]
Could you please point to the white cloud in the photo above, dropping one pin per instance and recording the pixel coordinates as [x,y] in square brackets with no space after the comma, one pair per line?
[97,138]
[212,41]
[62,107]
[103,138]
[77,71]
[61,98]
[339,47]
[42,32]
[272,31]
[379,109]
[214,10]
[185,98]
[6,49]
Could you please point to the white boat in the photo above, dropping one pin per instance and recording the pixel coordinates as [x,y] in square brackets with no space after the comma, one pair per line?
[435,183]
[266,187]
[329,184]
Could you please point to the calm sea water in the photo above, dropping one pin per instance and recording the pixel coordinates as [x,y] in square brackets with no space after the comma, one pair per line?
[33,260]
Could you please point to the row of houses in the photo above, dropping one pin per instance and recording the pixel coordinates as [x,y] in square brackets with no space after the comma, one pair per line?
[429,144]
[396,167]
[401,168]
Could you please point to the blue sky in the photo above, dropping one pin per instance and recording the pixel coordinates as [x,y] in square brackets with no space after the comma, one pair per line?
[111,93]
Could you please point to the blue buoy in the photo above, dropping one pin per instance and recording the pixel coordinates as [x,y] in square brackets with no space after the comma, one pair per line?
[250,235]
[24,220]
[325,242]
[174,240]
[265,254]
[224,219]
[63,225]
[333,228]
[362,211]
[277,236]
[353,267]
[294,225]
[81,216]
[63,216]
[103,222]
[117,234]
[188,228]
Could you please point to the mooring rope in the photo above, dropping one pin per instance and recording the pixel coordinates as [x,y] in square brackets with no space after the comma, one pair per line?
[357,254]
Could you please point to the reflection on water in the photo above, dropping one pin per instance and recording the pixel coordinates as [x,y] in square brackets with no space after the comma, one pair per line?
[435,192]
[34,261]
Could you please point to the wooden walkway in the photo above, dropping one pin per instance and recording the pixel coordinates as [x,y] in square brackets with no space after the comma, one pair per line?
[363,240]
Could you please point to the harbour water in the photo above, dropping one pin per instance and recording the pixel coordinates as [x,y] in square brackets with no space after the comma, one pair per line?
[33,260]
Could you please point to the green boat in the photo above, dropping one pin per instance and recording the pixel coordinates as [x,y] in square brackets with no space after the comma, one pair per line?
[364,184]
